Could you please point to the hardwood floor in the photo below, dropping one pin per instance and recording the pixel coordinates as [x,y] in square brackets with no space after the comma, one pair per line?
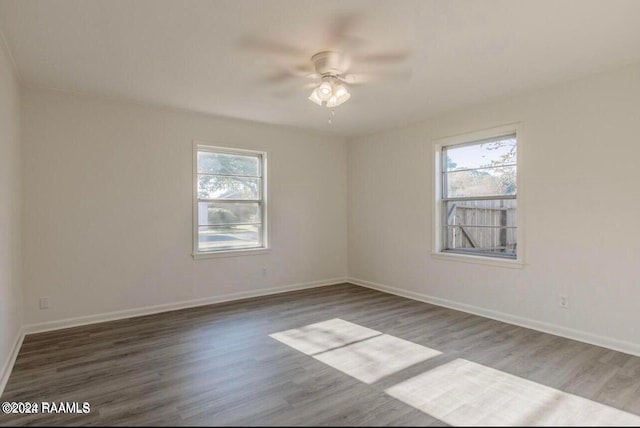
[218,365]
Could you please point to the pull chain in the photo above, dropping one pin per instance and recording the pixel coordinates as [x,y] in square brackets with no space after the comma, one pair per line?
[333,113]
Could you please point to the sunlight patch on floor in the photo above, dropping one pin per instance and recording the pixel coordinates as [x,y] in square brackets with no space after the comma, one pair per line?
[323,336]
[465,393]
[373,359]
[362,353]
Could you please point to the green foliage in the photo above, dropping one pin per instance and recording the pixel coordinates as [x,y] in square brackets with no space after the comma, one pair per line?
[507,181]
[222,187]
[498,179]
[221,163]
[223,184]
[221,216]
[233,213]
[451,165]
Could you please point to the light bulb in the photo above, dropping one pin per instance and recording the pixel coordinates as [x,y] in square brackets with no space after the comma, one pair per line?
[325,91]
[341,91]
[340,95]
[344,98]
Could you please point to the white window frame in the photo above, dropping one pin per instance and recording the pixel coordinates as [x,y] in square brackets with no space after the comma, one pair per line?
[264,248]
[437,218]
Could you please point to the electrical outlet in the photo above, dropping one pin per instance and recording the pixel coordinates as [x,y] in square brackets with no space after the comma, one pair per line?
[563,301]
[44,303]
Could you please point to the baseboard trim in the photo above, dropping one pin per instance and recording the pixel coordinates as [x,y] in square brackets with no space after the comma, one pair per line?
[8,365]
[569,333]
[149,310]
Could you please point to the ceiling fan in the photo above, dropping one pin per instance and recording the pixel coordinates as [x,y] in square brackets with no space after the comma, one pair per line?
[344,62]
[331,91]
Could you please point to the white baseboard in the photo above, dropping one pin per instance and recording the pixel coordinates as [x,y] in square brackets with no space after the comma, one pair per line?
[569,333]
[148,310]
[8,365]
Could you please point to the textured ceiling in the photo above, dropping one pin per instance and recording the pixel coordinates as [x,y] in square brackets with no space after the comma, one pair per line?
[196,55]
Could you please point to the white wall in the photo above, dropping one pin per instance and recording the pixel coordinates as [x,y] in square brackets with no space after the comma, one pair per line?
[10,204]
[581,157]
[107,213]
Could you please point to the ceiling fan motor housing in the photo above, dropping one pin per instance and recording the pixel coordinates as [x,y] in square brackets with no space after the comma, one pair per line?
[328,63]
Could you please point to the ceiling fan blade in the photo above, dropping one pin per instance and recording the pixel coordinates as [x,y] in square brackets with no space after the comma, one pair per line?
[363,78]
[341,32]
[280,77]
[304,70]
[342,24]
[270,47]
[383,57]
[285,74]
[289,92]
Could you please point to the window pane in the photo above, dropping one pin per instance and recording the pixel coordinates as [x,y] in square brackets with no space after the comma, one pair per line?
[495,212]
[496,152]
[228,164]
[229,237]
[481,240]
[483,182]
[482,227]
[218,213]
[222,187]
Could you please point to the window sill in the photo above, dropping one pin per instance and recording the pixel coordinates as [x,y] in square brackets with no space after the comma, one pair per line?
[230,253]
[489,261]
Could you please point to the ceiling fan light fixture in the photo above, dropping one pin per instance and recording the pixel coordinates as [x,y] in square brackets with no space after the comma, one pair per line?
[314,98]
[330,93]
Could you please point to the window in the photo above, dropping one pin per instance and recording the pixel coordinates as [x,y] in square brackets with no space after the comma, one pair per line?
[478,207]
[229,203]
